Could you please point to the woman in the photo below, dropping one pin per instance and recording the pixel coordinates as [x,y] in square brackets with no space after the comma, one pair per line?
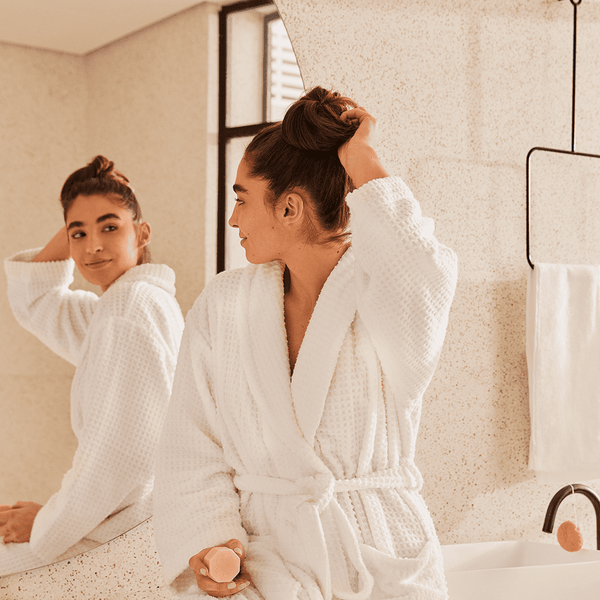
[291,431]
[124,345]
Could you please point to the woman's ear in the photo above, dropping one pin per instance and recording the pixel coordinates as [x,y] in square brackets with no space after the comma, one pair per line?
[144,234]
[292,208]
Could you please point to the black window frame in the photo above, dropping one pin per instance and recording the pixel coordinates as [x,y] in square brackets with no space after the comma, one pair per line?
[226,133]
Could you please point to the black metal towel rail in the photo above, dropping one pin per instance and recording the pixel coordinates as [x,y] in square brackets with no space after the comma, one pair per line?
[571,152]
[528,187]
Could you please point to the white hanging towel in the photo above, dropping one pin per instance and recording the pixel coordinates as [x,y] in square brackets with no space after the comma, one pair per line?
[563,359]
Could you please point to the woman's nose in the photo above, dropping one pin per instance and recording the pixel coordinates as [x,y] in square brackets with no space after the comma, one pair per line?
[232,219]
[94,244]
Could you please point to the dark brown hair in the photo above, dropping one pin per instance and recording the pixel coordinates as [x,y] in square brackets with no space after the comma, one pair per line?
[302,151]
[100,177]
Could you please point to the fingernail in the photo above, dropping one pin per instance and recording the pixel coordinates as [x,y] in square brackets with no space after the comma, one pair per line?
[203,572]
[243,585]
[231,585]
[238,550]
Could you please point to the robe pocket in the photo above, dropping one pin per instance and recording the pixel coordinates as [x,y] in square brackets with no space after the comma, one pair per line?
[406,578]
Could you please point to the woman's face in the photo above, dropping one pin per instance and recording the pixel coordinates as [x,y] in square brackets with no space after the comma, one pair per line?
[262,236]
[103,239]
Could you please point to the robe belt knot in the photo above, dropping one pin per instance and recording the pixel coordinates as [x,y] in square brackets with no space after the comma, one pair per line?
[311,496]
[319,489]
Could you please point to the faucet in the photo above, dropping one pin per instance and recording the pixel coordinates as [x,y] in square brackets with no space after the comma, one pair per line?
[576,488]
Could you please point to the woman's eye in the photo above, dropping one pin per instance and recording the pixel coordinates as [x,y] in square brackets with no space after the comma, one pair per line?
[239,201]
[110,228]
[77,235]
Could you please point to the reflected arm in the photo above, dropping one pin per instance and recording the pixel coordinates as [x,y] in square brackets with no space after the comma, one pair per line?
[56,249]
[121,394]
[42,303]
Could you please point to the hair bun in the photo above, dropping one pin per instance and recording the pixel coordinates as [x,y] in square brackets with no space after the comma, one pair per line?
[102,168]
[98,176]
[313,122]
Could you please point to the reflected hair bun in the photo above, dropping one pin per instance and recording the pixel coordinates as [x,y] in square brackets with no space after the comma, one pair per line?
[100,177]
[313,122]
[99,170]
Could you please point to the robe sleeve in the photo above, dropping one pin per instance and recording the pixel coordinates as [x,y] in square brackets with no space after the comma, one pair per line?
[40,298]
[196,504]
[125,392]
[405,282]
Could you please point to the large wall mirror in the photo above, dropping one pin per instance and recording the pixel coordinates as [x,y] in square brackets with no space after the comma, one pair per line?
[138,82]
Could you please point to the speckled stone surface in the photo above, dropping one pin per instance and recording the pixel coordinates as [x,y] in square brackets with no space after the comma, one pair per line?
[126,568]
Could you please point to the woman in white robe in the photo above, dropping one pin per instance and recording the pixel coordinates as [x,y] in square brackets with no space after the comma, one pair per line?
[124,345]
[295,407]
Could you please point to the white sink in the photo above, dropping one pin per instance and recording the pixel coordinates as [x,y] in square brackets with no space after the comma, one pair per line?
[520,571]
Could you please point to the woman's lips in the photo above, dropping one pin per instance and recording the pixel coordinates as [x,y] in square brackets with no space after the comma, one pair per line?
[98,264]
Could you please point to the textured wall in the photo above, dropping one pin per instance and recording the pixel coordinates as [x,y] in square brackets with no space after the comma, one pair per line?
[462,91]
[42,134]
[152,109]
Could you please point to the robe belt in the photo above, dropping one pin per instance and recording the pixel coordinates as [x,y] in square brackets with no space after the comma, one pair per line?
[311,496]
[319,489]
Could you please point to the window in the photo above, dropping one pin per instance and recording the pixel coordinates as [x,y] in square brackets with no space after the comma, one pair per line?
[258,79]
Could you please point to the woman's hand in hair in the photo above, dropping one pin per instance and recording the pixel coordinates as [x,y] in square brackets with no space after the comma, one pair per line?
[357,155]
[56,249]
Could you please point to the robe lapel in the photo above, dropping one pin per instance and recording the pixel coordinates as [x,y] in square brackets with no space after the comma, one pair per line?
[317,359]
[263,348]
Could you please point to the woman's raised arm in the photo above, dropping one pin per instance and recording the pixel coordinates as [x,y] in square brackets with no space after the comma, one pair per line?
[357,155]
[56,249]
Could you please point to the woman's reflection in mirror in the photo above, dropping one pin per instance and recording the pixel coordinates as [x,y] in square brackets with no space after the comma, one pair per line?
[291,432]
[124,344]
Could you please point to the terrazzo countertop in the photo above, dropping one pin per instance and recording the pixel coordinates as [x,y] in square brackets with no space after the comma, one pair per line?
[125,568]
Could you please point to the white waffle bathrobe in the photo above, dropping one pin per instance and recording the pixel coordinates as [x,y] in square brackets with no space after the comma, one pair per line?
[314,474]
[124,345]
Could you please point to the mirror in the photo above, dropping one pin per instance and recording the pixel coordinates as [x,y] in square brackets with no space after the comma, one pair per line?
[564,196]
[145,97]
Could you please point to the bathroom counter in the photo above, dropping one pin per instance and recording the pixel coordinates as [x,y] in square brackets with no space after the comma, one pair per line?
[126,568]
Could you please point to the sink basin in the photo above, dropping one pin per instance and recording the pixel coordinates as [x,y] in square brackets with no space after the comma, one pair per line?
[520,571]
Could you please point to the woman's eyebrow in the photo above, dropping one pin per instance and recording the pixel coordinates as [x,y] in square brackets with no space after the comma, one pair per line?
[106,217]
[98,220]
[239,188]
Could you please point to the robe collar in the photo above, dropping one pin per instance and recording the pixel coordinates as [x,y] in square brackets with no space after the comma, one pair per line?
[292,406]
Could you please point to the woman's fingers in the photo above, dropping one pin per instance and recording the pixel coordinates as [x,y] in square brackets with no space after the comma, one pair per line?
[367,125]
[357,155]
[354,114]
[201,569]
[16,522]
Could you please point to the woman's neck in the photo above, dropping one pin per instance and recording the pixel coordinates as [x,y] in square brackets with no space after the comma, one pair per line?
[308,269]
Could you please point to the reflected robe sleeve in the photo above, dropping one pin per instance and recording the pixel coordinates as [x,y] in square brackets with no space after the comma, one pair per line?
[125,385]
[43,304]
